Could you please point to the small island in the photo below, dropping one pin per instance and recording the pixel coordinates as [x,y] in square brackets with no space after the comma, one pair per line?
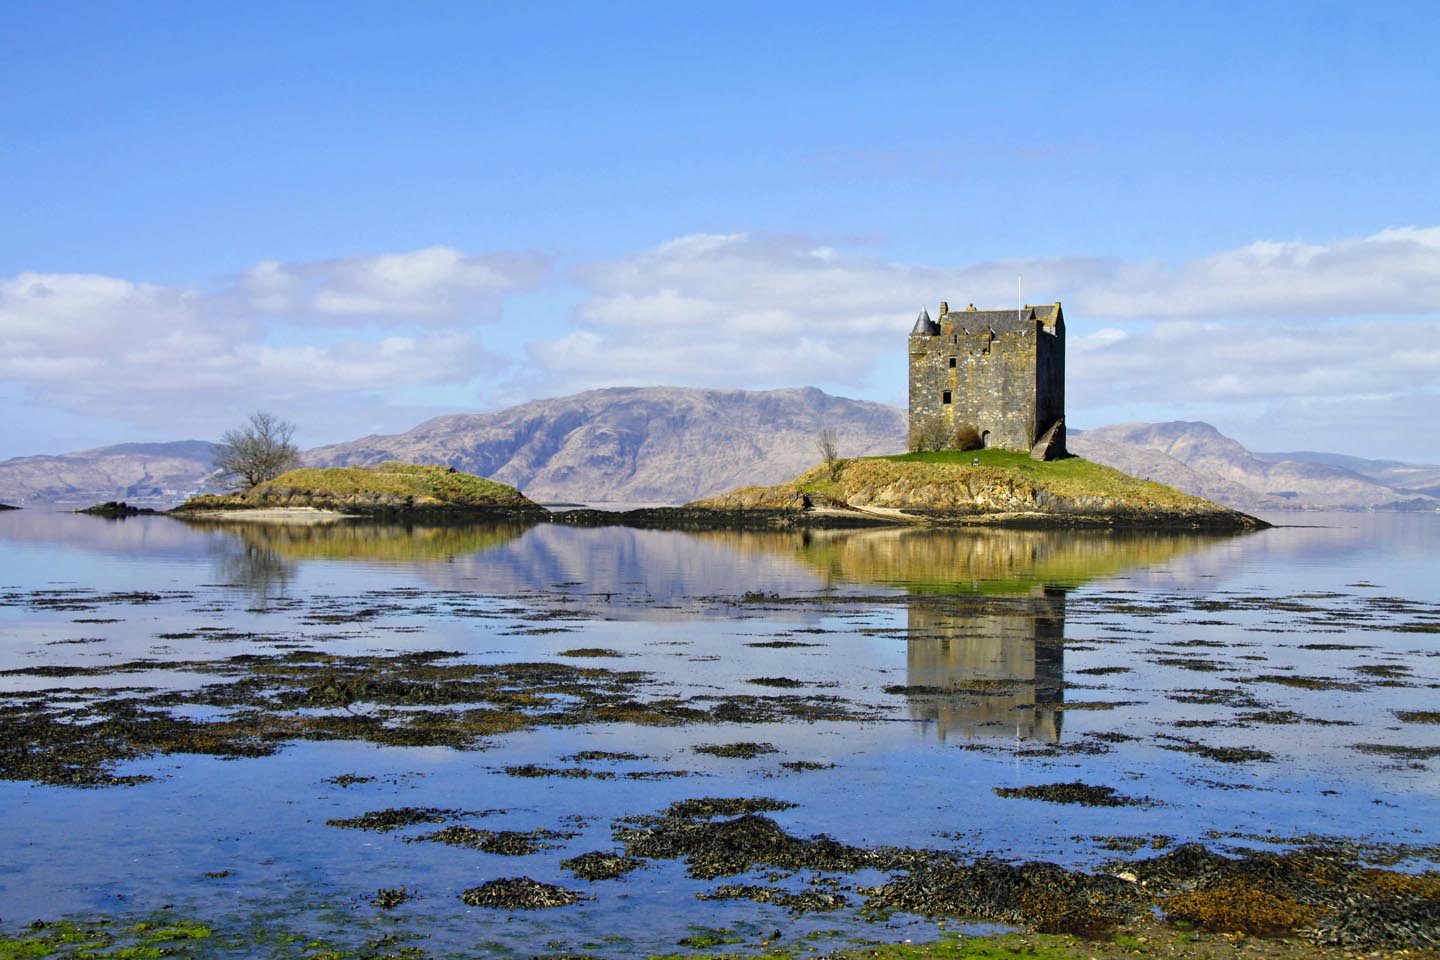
[970,487]
[118,510]
[389,489]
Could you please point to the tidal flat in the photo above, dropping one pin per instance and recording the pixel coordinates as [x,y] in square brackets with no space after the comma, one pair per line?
[502,740]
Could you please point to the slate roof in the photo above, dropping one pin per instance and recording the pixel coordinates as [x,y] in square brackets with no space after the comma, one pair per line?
[1002,321]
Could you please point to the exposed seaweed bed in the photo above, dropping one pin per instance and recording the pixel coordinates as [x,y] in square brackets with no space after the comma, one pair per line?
[1215,689]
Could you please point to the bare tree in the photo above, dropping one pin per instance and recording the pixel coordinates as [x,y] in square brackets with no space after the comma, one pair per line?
[829,446]
[258,451]
[931,435]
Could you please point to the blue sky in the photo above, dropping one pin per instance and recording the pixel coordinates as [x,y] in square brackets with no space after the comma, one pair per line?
[359,215]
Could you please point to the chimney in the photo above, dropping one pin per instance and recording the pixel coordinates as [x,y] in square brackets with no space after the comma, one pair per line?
[944,308]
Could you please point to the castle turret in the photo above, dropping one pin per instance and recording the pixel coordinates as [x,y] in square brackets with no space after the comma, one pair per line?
[924,326]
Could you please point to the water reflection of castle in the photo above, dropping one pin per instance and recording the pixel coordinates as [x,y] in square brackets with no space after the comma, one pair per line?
[990,670]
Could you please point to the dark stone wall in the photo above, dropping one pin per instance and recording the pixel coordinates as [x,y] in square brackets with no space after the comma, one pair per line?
[991,386]
[1050,381]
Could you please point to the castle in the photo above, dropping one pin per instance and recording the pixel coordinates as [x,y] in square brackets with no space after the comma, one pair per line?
[989,378]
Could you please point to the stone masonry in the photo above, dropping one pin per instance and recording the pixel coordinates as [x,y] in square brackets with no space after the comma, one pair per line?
[996,376]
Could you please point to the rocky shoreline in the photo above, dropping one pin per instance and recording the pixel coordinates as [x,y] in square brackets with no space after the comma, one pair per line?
[823,517]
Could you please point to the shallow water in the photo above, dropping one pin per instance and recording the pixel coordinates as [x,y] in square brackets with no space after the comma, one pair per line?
[964,660]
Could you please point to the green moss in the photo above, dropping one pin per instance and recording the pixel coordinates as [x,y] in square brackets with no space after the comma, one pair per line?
[101,941]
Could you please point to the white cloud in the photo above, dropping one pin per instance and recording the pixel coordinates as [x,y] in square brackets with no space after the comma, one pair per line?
[436,284]
[151,354]
[1391,272]
[1178,362]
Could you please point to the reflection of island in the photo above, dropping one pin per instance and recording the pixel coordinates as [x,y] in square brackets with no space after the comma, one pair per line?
[990,560]
[996,669]
[262,556]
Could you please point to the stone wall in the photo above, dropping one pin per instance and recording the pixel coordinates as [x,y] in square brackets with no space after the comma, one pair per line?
[1008,385]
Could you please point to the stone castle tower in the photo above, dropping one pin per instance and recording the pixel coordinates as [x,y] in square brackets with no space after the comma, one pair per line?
[992,378]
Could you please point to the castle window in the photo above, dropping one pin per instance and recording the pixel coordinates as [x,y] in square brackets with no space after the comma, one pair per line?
[952,361]
[945,397]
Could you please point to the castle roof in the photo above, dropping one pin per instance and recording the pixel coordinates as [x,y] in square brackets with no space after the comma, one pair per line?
[1004,321]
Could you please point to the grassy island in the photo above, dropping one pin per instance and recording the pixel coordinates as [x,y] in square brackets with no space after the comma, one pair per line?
[387,488]
[981,486]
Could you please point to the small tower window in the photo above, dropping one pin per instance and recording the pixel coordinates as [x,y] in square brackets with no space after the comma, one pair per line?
[952,362]
[945,397]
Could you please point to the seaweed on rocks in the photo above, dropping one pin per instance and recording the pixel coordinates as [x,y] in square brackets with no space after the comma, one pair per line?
[347,780]
[1044,896]
[519,893]
[600,865]
[806,901]
[590,756]
[744,750]
[708,808]
[256,703]
[505,843]
[388,898]
[394,818]
[572,773]
[720,848]
[1321,893]
[1075,792]
[1218,754]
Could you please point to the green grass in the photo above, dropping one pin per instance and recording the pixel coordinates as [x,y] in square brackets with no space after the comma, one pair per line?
[987,458]
[1072,474]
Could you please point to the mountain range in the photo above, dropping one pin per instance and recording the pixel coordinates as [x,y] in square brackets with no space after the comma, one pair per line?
[648,445]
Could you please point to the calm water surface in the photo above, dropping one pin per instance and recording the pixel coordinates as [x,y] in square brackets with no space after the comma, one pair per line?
[970,660]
